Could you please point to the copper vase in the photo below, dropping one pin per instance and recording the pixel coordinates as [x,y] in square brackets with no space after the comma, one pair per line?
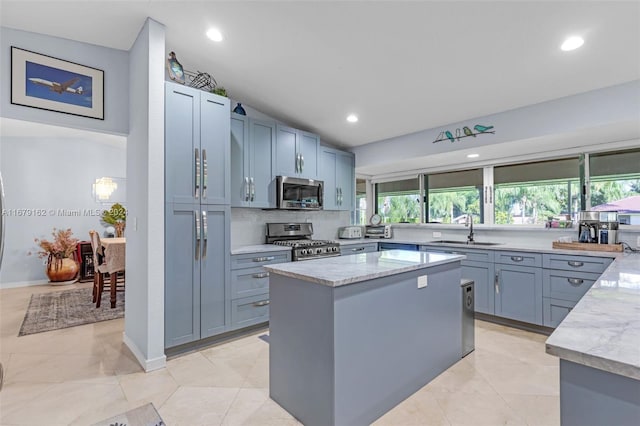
[59,270]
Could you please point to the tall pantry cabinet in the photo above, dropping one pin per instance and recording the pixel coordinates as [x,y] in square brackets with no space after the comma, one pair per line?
[197,214]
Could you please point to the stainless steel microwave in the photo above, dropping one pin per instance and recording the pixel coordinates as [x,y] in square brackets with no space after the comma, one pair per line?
[299,194]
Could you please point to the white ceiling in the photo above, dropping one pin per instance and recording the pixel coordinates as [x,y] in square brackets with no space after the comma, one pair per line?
[401,66]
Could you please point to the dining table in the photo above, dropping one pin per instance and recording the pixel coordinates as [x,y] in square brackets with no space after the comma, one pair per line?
[114,261]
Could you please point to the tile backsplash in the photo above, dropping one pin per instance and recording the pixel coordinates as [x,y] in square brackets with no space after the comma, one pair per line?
[248,225]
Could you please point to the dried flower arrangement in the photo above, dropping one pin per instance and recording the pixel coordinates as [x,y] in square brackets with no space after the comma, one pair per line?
[61,247]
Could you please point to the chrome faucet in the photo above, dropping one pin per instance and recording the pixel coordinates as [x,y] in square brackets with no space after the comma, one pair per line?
[469,222]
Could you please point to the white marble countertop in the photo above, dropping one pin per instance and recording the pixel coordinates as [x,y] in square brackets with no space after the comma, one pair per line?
[341,270]
[258,248]
[603,330]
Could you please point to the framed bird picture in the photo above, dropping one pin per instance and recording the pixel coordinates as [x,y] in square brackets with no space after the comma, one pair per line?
[176,72]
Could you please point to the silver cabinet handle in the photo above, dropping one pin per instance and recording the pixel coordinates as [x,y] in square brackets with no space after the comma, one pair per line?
[205,234]
[297,162]
[485,194]
[496,282]
[252,189]
[490,194]
[204,173]
[196,216]
[575,264]
[263,303]
[575,281]
[263,259]
[337,196]
[301,163]
[358,249]
[340,189]
[517,258]
[262,275]
[246,188]
[197,178]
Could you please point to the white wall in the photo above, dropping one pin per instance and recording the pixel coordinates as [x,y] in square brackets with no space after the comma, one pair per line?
[144,316]
[113,62]
[45,175]
[248,225]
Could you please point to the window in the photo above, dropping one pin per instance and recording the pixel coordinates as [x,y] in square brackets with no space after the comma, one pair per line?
[361,202]
[615,184]
[453,196]
[399,201]
[532,193]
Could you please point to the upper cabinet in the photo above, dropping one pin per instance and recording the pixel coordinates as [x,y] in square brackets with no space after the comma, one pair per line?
[197,145]
[337,170]
[297,153]
[252,152]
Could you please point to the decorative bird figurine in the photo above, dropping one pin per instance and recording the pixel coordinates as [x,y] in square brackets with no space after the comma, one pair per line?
[176,72]
[482,128]
[458,134]
[449,136]
[468,132]
[439,138]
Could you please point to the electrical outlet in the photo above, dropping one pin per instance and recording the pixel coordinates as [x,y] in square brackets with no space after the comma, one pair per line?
[422,281]
[437,234]
[135,223]
[638,242]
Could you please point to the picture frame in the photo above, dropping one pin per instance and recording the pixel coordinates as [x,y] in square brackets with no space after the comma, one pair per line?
[44,82]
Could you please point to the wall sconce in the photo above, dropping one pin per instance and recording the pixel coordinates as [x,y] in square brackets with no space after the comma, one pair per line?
[103,188]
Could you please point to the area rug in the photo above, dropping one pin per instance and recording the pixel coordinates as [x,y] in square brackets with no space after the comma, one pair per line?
[145,415]
[68,308]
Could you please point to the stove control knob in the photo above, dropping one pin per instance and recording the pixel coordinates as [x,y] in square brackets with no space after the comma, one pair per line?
[303,251]
[318,250]
[335,249]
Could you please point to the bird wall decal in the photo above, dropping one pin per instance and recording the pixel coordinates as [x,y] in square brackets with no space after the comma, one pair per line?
[449,136]
[481,128]
[458,133]
[468,132]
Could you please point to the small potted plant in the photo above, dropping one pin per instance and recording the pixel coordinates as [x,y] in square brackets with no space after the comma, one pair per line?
[61,264]
[117,217]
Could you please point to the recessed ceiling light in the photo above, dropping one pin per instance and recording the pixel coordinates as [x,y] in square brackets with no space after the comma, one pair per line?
[352,118]
[572,43]
[214,34]
[473,155]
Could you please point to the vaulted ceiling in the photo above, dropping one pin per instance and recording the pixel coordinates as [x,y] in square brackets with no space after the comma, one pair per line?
[401,66]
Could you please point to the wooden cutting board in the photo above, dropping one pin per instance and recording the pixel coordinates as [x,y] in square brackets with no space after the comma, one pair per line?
[587,246]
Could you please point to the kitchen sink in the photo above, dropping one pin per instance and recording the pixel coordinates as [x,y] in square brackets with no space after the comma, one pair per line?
[464,243]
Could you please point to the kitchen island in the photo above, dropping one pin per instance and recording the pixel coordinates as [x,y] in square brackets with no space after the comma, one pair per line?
[352,336]
[598,344]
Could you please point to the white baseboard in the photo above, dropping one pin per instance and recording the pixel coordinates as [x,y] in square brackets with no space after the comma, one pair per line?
[147,364]
[17,284]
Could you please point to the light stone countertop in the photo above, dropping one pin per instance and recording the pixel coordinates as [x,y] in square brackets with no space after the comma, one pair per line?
[603,329]
[259,248]
[342,270]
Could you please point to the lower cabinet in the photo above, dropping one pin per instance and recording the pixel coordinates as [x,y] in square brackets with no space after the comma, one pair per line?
[518,293]
[397,246]
[196,270]
[554,311]
[347,249]
[249,289]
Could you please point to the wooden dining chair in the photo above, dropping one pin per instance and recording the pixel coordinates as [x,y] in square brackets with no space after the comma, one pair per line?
[99,269]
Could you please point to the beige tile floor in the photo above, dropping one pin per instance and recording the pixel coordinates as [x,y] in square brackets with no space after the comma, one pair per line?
[85,374]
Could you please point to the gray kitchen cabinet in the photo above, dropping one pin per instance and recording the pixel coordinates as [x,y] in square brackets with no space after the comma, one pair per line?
[347,249]
[197,149]
[252,153]
[249,289]
[337,170]
[479,267]
[518,292]
[397,246]
[197,214]
[566,278]
[297,153]
[196,272]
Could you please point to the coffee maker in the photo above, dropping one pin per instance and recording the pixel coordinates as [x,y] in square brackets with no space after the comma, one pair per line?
[608,228]
[588,226]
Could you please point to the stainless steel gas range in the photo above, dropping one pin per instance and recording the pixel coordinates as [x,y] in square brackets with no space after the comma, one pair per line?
[298,237]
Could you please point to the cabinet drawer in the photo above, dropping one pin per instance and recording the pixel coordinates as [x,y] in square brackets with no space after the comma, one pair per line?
[567,285]
[240,261]
[576,263]
[520,258]
[472,255]
[249,282]
[555,310]
[397,246]
[358,248]
[249,310]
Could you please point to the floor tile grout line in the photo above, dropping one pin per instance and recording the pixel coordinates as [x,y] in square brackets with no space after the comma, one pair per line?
[226,412]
